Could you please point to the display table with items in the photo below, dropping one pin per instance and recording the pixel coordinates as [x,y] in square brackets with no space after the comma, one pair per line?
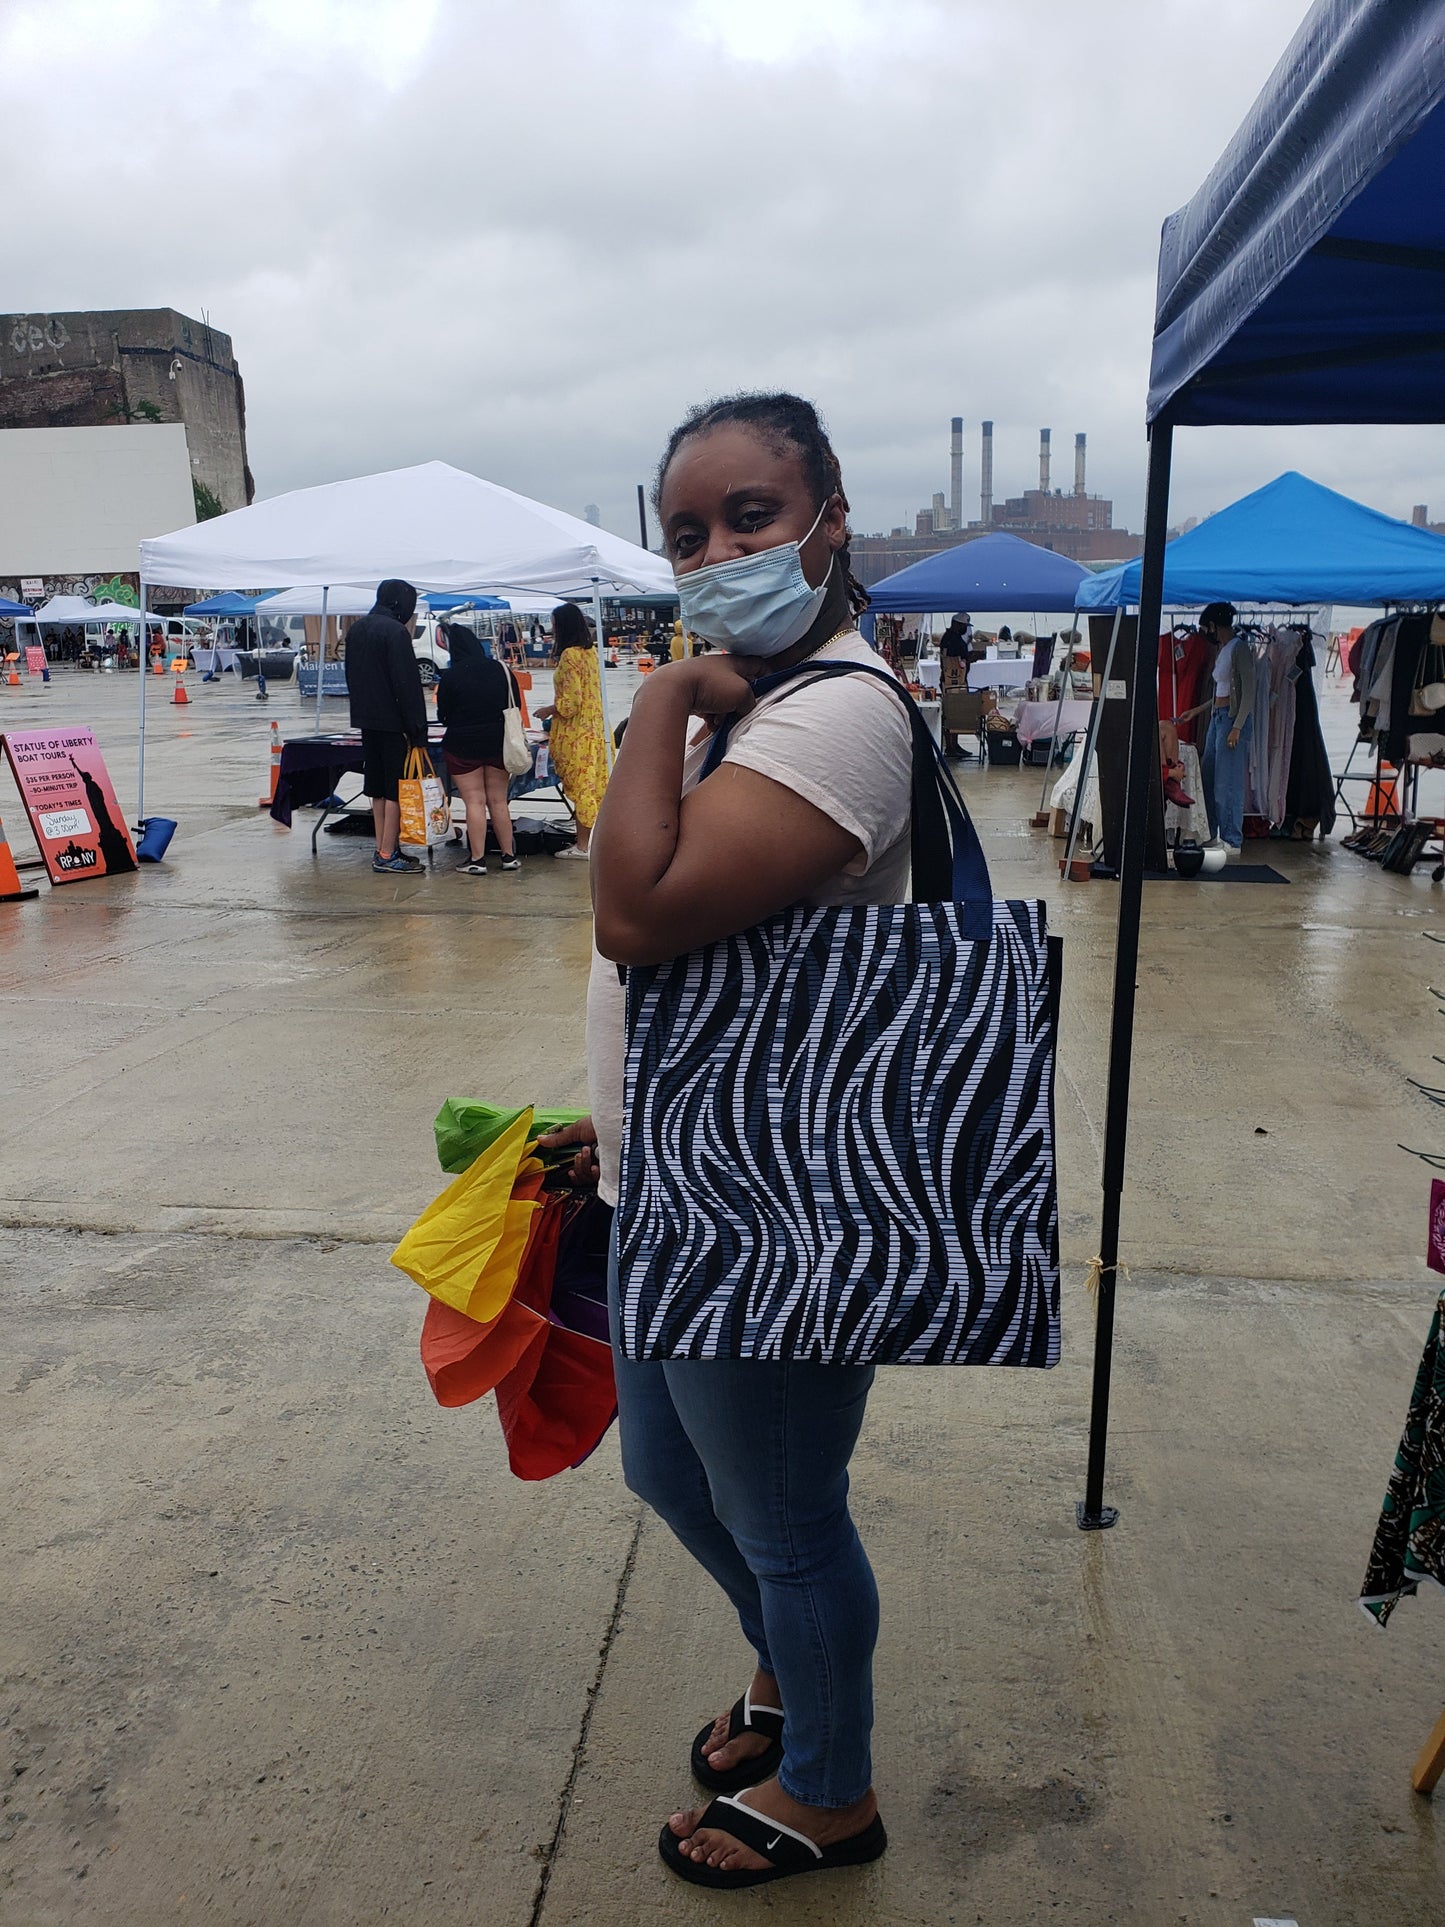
[314,767]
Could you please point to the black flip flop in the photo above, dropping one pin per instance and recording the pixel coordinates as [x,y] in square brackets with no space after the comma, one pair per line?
[789,1851]
[766,1721]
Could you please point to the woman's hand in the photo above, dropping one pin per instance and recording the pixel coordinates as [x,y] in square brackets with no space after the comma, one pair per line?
[1234,739]
[584,1168]
[547,709]
[714,686]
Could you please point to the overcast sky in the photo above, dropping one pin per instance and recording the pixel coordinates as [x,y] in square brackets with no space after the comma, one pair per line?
[523,235]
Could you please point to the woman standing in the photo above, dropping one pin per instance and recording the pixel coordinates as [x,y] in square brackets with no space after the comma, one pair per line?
[578,741]
[473,696]
[747,1460]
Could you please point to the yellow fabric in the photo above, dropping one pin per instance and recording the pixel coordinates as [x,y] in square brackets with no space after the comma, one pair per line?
[578,741]
[466,1247]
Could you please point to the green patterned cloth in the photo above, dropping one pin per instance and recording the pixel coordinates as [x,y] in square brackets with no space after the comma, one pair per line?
[1409,1548]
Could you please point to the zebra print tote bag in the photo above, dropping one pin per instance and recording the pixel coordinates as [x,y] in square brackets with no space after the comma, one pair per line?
[839,1140]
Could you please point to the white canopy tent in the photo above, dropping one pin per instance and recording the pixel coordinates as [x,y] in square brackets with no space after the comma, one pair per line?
[435,526]
[341,601]
[75,608]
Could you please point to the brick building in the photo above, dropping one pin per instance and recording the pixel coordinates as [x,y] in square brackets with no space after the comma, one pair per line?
[132,365]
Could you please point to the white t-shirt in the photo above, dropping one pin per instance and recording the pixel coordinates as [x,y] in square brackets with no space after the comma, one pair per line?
[845,745]
[1222,669]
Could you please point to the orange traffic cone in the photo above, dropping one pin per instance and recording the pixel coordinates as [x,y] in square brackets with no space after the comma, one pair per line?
[179,695]
[265,802]
[12,671]
[12,890]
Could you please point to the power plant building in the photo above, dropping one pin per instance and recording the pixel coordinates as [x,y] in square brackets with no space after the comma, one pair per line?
[1075,524]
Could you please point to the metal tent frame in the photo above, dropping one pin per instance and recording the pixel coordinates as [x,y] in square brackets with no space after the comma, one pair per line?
[1305,282]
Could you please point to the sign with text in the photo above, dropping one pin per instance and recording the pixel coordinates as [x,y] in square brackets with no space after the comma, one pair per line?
[35,660]
[65,788]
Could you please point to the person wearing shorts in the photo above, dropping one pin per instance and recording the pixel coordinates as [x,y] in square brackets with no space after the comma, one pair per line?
[388,706]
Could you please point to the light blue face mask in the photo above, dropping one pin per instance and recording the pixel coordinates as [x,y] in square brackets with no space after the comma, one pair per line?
[753,605]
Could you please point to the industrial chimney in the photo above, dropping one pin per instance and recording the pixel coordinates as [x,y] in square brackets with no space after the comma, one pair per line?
[1079,441]
[985,474]
[1044,460]
[955,475]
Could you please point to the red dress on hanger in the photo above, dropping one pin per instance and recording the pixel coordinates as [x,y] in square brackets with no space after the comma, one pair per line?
[1184,663]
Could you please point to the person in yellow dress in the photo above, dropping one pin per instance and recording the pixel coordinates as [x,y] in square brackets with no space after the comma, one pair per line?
[578,740]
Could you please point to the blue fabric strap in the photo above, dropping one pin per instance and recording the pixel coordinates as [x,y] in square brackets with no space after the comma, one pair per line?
[948,861]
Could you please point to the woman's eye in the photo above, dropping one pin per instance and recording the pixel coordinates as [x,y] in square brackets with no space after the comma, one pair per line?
[687,541]
[751,520]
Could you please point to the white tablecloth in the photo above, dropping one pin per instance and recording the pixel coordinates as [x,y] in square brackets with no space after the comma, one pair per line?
[1035,721]
[1007,673]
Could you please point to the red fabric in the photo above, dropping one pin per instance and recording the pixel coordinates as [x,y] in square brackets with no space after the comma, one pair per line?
[464,1359]
[1183,666]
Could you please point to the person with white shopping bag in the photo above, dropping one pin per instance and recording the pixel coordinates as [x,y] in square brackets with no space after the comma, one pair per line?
[485,746]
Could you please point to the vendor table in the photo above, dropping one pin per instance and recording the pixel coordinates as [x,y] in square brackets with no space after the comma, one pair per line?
[1034,722]
[312,767]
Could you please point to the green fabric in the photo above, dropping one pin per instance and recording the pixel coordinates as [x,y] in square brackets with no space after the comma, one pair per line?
[1409,1548]
[465,1128]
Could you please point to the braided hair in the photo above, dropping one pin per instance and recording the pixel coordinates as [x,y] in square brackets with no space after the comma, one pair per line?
[786,423]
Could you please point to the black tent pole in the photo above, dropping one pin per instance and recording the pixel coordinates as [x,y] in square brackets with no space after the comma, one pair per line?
[1093,1515]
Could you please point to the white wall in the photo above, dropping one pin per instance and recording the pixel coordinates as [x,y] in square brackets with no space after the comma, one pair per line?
[76,500]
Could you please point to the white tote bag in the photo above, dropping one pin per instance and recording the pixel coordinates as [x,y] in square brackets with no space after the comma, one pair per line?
[516,751]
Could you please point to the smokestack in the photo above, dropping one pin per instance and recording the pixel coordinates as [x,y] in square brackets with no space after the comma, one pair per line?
[1420,515]
[1079,441]
[985,474]
[955,475]
[1044,460]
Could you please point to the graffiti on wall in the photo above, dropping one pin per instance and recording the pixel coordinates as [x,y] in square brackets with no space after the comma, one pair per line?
[95,588]
[37,337]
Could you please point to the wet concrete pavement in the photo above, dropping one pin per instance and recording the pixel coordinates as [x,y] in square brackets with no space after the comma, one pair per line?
[284,1642]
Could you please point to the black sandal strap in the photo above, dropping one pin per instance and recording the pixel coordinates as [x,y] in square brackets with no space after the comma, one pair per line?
[780,1846]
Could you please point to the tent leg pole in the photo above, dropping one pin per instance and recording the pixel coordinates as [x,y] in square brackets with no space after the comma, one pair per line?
[320,657]
[1091,738]
[1093,1515]
[611,748]
[140,799]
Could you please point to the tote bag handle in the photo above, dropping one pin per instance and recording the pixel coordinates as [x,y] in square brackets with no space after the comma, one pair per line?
[947,858]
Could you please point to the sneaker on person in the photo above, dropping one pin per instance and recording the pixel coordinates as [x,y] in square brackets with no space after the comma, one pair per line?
[513,862]
[473,867]
[572,851]
[1234,849]
[396,863]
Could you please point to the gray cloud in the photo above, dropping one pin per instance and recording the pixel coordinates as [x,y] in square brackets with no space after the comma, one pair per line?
[523,235]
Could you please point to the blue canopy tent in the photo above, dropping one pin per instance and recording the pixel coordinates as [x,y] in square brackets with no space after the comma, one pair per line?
[1305,282]
[8,609]
[1292,541]
[991,572]
[230,603]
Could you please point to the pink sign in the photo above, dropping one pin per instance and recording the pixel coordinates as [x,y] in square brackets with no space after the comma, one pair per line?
[66,790]
[1435,1252]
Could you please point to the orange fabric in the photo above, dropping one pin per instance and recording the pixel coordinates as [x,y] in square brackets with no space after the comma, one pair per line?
[465,1358]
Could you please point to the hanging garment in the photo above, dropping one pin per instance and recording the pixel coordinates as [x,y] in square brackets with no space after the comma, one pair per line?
[1409,1548]
[838,1141]
[1184,664]
[1310,792]
[1412,636]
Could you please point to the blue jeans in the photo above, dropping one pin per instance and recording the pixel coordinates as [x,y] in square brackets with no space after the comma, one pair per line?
[1224,771]
[748,1464]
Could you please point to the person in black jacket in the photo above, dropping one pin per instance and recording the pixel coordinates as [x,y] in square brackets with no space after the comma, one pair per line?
[388,707]
[473,696]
